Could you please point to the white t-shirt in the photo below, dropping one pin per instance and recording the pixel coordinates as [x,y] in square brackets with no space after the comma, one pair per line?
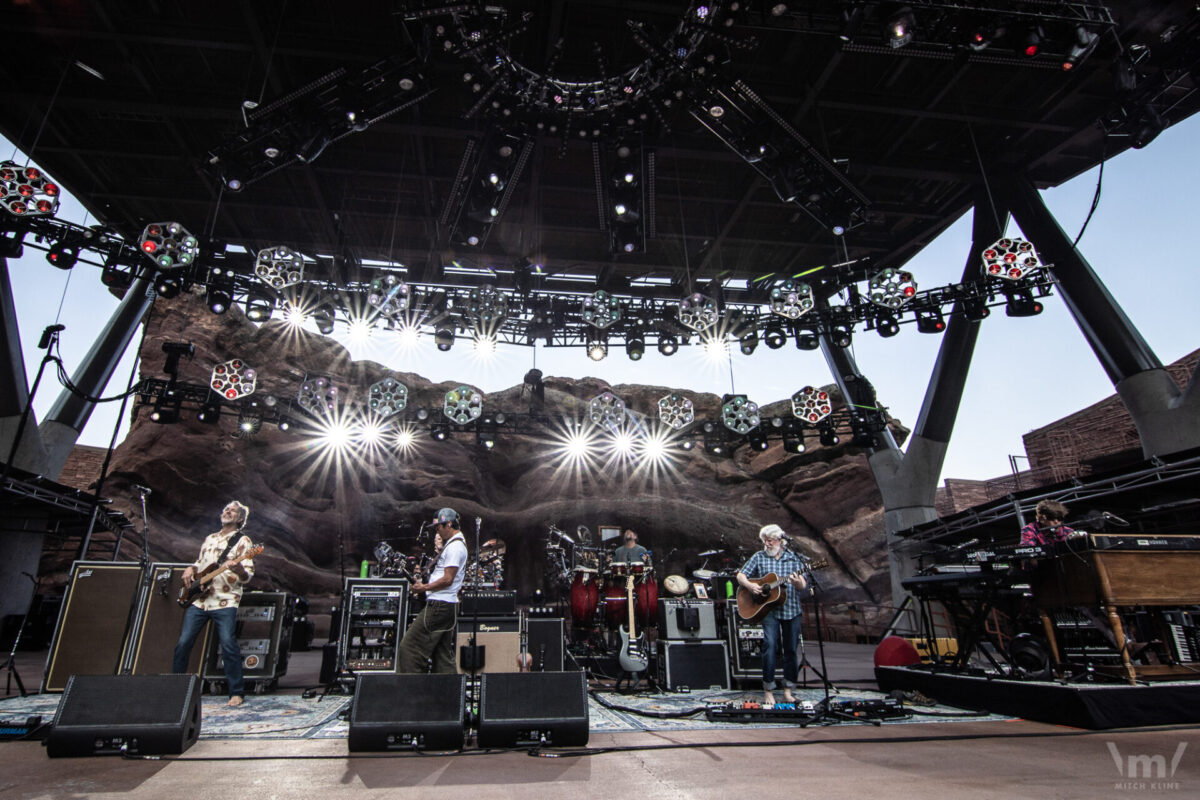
[454,554]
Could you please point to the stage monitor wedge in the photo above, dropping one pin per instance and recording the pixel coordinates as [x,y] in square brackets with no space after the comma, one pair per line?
[126,715]
[404,711]
[549,709]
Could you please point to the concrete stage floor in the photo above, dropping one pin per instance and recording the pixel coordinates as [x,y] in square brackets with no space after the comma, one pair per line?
[1001,759]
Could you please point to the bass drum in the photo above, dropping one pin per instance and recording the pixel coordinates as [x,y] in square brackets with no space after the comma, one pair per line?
[585,595]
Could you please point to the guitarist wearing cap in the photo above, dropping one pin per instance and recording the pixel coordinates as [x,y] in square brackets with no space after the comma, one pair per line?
[781,624]
[226,550]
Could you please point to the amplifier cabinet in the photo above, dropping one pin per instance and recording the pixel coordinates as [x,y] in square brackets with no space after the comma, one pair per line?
[264,637]
[686,619]
[159,619]
[90,636]
[489,602]
[745,641]
[544,643]
[499,636]
[692,665]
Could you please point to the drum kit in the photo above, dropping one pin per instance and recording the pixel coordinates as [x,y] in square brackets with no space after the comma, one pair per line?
[599,594]
[487,570]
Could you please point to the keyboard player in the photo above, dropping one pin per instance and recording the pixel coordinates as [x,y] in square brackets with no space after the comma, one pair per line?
[1047,529]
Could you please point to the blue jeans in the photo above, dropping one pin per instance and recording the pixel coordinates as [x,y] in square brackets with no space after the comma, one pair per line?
[781,634]
[231,655]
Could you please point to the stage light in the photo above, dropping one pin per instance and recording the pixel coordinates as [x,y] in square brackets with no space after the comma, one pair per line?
[27,191]
[976,309]
[807,339]
[485,346]
[1081,48]
[891,288]
[791,299]
[676,411]
[739,414]
[606,410]
[405,439]
[811,404]
[443,337]
[715,348]
[408,335]
[358,330]
[698,312]
[757,439]
[597,345]
[635,345]
[63,255]
[714,443]
[601,309]
[439,431]
[294,315]
[209,413]
[169,245]
[167,285]
[485,436]
[486,307]
[828,436]
[1011,258]
[1020,302]
[260,306]
[323,318]
[930,321]
[667,344]
[774,336]
[793,443]
[249,422]
[422,413]
[233,379]
[748,343]
[175,351]
[462,405]
[285,424]
[279,266]
[839,336]
[899,28]
[166,409]
[1147,127]
[318,396]
[219,299]
[387,397]
[389,295]
[887,325]
[1031,42]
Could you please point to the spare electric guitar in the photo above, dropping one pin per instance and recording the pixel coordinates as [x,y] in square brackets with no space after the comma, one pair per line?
[633,657]
[202,585]
[753,607]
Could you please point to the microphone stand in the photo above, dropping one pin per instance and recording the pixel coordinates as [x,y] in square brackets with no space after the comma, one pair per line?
[143,493]
[827,713]
[10,666]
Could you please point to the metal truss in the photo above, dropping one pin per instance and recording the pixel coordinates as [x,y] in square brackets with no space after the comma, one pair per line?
[77,502]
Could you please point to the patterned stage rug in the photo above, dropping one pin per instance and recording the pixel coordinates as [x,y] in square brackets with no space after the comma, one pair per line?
[294,717]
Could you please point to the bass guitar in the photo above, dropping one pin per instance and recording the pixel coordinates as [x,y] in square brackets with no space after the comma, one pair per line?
[753,607]
[202,585]
[632,656]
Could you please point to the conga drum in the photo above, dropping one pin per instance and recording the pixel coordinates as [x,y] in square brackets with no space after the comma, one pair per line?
[645,598]
[585,595]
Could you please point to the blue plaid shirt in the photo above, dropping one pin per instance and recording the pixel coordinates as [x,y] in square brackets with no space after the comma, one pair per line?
[788,562]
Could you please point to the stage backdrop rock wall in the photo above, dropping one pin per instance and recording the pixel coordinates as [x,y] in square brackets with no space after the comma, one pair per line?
[317,516]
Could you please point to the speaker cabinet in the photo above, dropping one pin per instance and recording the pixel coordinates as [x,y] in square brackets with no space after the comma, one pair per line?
[159,621]
[692,665]
[501,638]
[89,638]
[687,619]
[549,708]
[264,630]
[407,711]
[544,642]
[745,644]
[133,714]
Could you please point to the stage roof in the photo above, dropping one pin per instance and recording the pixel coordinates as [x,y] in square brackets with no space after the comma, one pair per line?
[139,109]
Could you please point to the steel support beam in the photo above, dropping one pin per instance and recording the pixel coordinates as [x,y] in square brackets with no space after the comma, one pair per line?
[70,413]
[14,386]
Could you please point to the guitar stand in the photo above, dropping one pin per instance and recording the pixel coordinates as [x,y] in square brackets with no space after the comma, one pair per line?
[632,682]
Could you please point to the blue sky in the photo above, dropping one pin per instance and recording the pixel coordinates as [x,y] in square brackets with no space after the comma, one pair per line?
[1027,372]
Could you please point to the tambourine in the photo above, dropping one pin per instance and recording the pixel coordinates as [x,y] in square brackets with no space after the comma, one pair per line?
[675,584]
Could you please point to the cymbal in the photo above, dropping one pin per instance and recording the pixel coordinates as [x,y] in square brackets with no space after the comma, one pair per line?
[675,584]
[704,574]
[708,553]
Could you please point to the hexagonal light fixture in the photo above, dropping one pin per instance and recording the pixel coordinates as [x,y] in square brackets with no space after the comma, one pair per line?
[811,404]
[1011,258]
[233,379]
[676,411]
[317,396]
[487,306]
[387,397]
[462,405]
[601,309]
[606,410]
[279,267]
[27,191]
[791,299]
[169,245]
[698,311]
[739,414]
[891,288]
[389,295]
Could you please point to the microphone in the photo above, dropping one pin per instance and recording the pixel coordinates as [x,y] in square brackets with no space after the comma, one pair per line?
[144,490]
[1114,518]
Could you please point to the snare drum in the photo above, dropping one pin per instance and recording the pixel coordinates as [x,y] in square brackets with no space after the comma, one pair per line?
[585,595]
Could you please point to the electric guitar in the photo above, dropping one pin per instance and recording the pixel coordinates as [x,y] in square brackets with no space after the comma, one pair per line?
[753,607]
[632,657]
[202,585]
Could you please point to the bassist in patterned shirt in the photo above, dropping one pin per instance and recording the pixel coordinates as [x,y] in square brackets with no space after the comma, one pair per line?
[220,603]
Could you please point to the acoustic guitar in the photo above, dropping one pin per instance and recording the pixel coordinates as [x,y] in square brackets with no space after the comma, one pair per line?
[202,585]
[632,656]
[753,607]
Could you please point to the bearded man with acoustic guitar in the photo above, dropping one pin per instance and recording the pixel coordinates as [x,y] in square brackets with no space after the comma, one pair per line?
[226,550]
[781,623]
